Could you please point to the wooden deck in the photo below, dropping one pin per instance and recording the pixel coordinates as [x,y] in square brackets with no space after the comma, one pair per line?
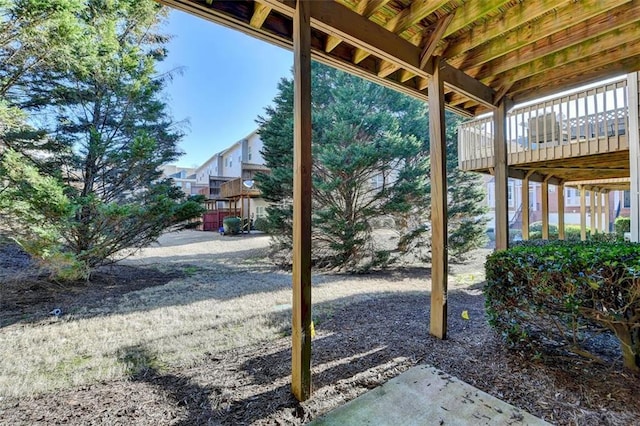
[579,136]
[235,189]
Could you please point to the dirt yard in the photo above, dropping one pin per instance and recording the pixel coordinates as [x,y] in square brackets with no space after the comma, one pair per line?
[196,331]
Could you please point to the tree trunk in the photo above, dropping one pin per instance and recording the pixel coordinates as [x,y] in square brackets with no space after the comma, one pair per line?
[630,349]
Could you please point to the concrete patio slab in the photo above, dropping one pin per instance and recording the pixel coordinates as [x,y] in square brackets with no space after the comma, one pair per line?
[424,395]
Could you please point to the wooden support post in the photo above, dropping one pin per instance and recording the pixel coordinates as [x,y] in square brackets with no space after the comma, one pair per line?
[592,210]
[525,208]
[249,214]
[439,253]
[599,210]
[501,176]
[545,208]
[301,306]
[241,210]
[583,213]
[560,190]
[634,153]
[607,212]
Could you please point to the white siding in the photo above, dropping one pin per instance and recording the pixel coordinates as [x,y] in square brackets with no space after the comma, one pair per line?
[254,147]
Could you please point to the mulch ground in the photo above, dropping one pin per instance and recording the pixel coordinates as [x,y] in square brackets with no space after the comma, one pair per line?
[358,346]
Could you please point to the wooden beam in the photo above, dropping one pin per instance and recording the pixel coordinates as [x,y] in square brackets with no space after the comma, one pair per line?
[525,208]
[405,75]
[557,170]
[583,213]
[545,209]
[467,85]
[563,47]
[260,14]
[571,59]
[434,39]
[592,210]
[607,212]
[501,176]
[439,254]
[302,187]
[387,68]
[560,194]
[590,71]
[599,209]
[333,18]
[365,8]
[422,83]
[470,12]
[633,88]
[502,92]
[417,10]
[500,25]
[331,43]
[554,24]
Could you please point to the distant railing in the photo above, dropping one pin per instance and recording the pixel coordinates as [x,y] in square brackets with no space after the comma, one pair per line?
[588,122]
[236,188]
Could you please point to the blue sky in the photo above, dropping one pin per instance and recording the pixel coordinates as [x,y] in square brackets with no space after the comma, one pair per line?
[228,79]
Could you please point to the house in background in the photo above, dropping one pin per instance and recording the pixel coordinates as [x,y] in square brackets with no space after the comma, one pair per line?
[183,177]
[619,204]
[227,181]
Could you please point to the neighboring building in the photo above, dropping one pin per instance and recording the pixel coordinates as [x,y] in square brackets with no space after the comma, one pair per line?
[619,204]
[226,179]
[183,177]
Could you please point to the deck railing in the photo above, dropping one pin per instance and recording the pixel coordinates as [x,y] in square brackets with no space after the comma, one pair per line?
[235,188]
[581,123]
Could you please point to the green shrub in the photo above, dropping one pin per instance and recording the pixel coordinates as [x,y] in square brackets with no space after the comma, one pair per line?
[231,225]
[537,226]
[560,294]
[572,232]
[622,225]
[537,235]
[260,224]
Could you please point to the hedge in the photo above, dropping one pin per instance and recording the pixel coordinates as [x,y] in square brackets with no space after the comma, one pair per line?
[559,294]
[231,225]
[622,225]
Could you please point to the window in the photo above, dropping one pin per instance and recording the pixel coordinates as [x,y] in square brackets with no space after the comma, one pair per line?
[511,195]
[230,163]
[187,185]
[249,153]
[573,197]
[260,211]
[627,200]
[226,162]
[377,181]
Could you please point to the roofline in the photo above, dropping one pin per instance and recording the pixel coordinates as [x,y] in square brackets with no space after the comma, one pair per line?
[220,153]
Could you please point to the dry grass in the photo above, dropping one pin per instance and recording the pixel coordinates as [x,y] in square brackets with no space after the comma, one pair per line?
[227,300]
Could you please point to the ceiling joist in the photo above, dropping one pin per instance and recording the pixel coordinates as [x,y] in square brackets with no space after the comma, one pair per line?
[489,50]
[565,19]
[417,11]
[365,8]
[499,25]
[260,13]
[620,27]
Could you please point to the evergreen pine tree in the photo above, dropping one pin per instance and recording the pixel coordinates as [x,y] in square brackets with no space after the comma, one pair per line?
[107,132]
[370,150]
